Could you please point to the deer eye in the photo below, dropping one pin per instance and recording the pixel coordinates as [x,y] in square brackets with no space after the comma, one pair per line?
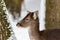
[27,19]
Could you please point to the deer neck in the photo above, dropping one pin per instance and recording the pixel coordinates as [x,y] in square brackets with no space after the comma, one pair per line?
[34,31]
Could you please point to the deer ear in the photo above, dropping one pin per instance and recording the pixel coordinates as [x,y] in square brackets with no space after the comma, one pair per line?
[35,15]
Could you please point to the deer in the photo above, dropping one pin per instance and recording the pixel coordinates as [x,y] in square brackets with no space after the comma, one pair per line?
[31,20]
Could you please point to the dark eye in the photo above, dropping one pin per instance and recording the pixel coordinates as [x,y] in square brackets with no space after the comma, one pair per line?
[27,19]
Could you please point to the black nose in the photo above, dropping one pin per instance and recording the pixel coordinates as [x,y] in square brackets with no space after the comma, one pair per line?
[17,24]
[20,24]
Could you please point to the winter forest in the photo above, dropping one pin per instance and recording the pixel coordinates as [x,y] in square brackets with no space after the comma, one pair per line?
[13,11]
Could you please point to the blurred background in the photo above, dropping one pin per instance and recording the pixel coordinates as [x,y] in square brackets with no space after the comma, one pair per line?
[52,15]
[4,25]
[14,7]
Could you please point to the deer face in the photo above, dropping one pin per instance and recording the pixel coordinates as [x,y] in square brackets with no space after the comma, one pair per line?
[27,21]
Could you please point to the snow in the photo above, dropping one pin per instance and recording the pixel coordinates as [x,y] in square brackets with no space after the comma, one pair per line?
[32,5]
[20,33]
[42,12]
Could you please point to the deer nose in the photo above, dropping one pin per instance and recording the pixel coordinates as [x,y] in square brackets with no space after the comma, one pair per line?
[20,24]
[17,24]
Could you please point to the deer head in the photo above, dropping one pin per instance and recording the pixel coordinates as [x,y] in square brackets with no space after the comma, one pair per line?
[29,19]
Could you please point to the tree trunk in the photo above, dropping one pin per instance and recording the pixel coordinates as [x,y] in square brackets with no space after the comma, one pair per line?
[4,30]
[53,14]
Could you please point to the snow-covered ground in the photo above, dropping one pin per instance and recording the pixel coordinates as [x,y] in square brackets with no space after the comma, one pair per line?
[30,5]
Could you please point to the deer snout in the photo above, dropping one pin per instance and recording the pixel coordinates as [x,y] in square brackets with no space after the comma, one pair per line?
[18,24]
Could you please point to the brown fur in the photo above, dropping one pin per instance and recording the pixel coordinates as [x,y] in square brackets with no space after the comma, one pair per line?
[34,32]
